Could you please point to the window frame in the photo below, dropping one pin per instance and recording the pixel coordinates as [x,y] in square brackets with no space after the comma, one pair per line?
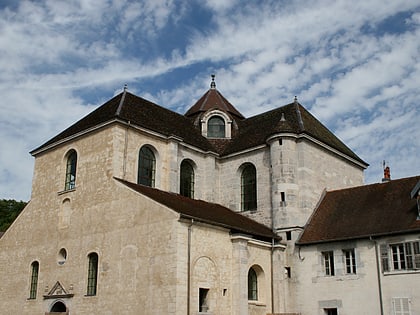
[92,278]
[186,179]
[248,187]
[146,172]
[34,280]
[400,256]
[216,130]
[349,256]
[71,170]
[328,263]
[252,285]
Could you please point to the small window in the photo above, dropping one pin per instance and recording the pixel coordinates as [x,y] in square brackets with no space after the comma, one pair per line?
[249,188]
[62,256]
[328,258]
[187,180]
[216,127]
[288,235]
[147,167]
[349,261]
[330,311]
[203,300]
[252,285]
[71,170]
[92,274]
[401,306]
[34,279]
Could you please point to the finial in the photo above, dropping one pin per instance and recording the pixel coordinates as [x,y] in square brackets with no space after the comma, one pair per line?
[387,172]
[213,84]
[295,100]
[125,87]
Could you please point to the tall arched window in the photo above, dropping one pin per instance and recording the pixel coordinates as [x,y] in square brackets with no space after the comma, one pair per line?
[147,167]
[71,170]
[249,187]
[34,279]
[252,285]
[187,179]
[92,274]
[216,127]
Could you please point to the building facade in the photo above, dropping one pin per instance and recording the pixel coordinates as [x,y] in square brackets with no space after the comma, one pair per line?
[136,209]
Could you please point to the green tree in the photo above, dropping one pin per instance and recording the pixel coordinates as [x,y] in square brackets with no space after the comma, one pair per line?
[9,210]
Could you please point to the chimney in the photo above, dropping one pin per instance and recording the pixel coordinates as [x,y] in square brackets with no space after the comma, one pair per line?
[387,173]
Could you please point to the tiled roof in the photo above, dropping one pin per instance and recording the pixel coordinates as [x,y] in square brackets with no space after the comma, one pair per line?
[364,211]
[203,211]
[213,99]
[248,133]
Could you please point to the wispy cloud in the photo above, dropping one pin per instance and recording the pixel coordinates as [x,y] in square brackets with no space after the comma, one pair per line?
[355,65]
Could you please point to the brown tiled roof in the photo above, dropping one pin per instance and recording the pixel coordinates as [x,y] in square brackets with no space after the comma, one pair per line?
[364,211]
[248,133]
[203,211]
[213,99]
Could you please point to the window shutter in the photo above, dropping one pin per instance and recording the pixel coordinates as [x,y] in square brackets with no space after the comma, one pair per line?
[384,257]
[416,248]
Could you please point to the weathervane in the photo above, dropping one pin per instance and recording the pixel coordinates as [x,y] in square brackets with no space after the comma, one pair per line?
[213,84]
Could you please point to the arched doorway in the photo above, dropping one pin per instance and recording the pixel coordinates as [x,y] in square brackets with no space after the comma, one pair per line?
[58,308]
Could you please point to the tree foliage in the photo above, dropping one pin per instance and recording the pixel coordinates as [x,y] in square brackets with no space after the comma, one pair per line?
[9,210]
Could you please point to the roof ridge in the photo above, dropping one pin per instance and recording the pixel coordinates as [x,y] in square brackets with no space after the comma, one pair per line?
[120,105]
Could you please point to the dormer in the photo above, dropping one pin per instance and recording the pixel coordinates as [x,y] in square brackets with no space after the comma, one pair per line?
[214,114]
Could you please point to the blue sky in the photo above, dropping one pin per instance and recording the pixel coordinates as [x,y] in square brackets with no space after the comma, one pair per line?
[354,64]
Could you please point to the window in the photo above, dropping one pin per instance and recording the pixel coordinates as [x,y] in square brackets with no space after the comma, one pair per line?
[92,274]
[330,311]
[216,127]
[349,261]
[147,167]
[400,256]
[328,258]
[203,303]
[249,188]
[71,170]
[252,285]
[401,306]
[34,279]
[187,180]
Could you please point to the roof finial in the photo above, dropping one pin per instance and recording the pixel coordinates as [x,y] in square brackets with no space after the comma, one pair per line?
[213,84]
[295,100]
[125,87]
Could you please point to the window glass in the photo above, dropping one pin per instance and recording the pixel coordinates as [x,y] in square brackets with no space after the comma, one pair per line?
[147,167]
[187,180]
[349,261]
[216,127]
[34,279]
[249,188]
[252,285]
[71,170]
[328,263]
[92,274]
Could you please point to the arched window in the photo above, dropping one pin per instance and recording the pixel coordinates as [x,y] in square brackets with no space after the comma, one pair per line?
[252,285]
[147,167]
[249,187]
[187,180]
[71,170]
[92,274]
[216,127]
[34,279]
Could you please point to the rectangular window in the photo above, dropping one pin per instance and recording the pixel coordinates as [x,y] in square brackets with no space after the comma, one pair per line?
[330,311]
[203,303]
[328,263]
[92,274]
[34,280]
[349,261]
[401,306]
[400,256]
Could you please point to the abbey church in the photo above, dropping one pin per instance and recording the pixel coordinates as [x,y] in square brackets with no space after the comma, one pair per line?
[136,209]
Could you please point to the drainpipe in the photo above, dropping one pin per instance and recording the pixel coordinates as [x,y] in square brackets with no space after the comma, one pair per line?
[272,276]
[378,271]
[189,266]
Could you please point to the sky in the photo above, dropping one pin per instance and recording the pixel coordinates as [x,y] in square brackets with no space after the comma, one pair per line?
[355,65]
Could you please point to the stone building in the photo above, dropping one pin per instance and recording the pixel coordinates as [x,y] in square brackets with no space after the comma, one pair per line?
[136,209]
[360,251]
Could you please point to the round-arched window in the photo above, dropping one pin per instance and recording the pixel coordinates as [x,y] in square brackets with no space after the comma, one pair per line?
[216,127]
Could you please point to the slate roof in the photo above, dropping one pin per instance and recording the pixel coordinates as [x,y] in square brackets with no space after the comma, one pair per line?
[364,211]
[206,212]
[251,132]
